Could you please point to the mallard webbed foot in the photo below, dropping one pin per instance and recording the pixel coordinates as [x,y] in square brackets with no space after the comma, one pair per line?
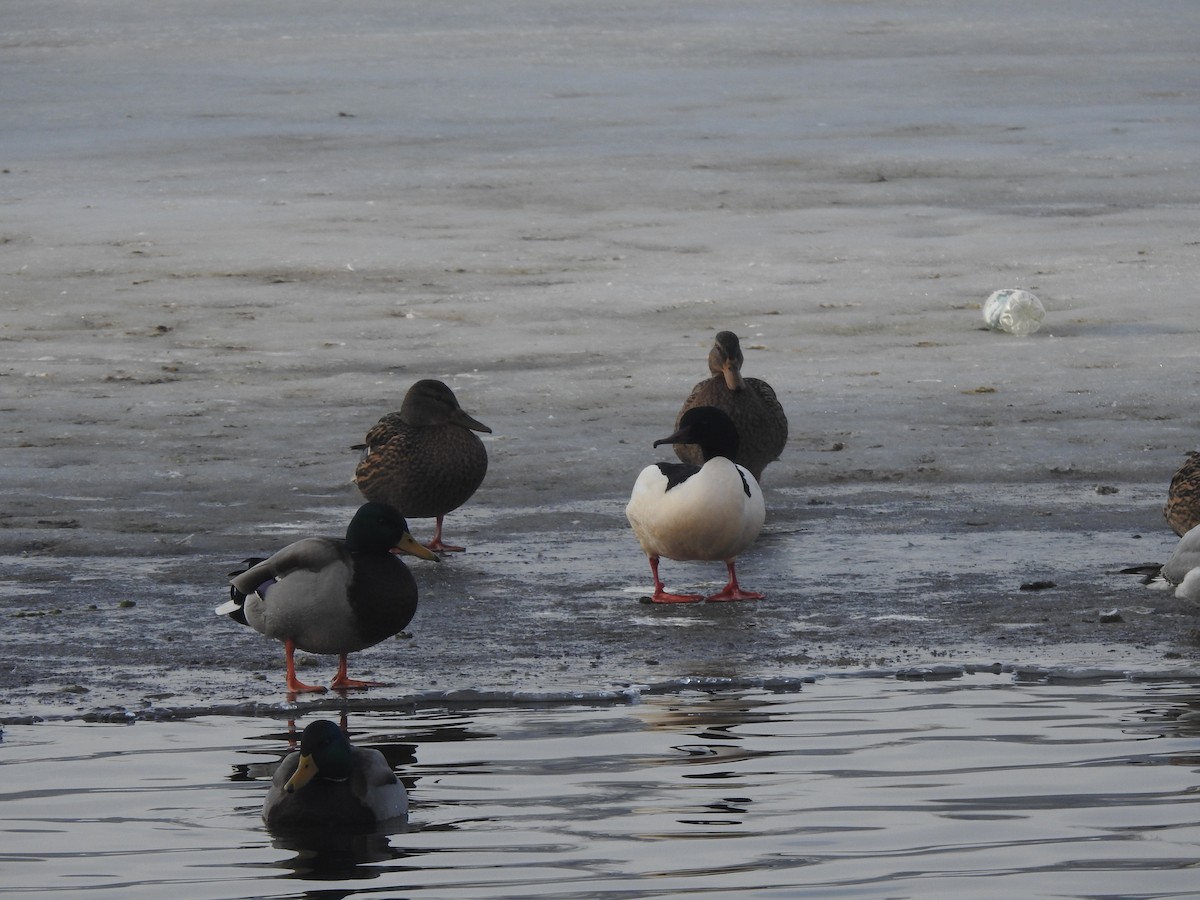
[726,595]
[294,684]
[437,545]
[660,596]
[343,682]
[731,591]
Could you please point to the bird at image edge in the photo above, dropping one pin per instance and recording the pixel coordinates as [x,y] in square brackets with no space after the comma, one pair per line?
[1182,510]
[332,595]
[708,512]
[424,460]
[1180,574]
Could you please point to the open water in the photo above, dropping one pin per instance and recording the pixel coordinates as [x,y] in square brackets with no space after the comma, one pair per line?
[965,783]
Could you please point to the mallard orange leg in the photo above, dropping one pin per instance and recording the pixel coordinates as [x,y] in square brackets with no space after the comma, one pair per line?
[661,595]
[731,591]
[342,681]
[294,684]
[437,545]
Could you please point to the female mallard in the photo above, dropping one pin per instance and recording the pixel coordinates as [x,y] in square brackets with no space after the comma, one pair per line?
[424,460]
[1183,496]
[687,513]
[761,423]
[330,785]
[331,595]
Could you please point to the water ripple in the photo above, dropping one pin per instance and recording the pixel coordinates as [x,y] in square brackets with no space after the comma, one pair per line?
[984,785]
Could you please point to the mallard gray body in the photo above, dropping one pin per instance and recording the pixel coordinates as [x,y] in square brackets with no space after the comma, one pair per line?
[331,595]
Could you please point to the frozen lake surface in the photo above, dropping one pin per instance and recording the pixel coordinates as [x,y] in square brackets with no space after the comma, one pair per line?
[235,235]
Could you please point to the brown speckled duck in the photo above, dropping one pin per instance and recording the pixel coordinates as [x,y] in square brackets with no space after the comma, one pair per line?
[751,403]
[1183,496]
[424,460]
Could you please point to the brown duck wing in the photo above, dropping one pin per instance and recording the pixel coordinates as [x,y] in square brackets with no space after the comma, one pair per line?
[1183,496]
[383,431]
[769,423]
[710,392]
[423,472]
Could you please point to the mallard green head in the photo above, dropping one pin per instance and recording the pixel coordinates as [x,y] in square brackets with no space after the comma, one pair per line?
[378,528]
[725,359]
[324,753]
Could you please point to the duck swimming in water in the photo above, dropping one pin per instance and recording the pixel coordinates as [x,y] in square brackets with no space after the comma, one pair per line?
[330,785]
[708,512]
[750,402]
[424,460]
[331,595]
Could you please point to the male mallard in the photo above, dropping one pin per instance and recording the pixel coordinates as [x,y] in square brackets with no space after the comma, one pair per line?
[328,784]
[332,595]
[1183,496]
[761,423]
[1180,573]
[683,512]
[424,460]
